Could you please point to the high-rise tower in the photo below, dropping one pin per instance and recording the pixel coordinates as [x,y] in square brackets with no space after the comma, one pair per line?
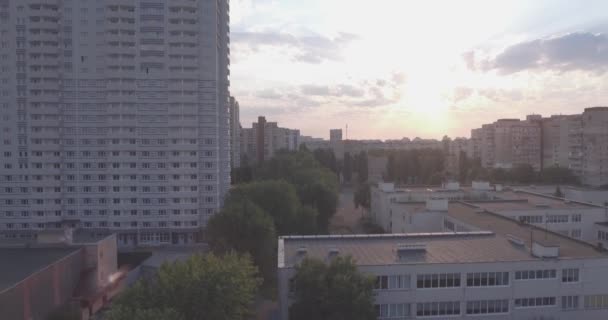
[114,116]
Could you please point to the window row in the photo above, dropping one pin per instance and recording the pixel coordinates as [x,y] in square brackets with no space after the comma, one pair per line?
[535,274]
[431,309]
[392,282]
[534,302]
[485,279]
[438,280]
[393,310]
[102,224]
[488,306]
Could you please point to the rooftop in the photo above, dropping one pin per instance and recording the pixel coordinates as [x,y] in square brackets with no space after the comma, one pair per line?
[19,263]
[505,240]
[523,200]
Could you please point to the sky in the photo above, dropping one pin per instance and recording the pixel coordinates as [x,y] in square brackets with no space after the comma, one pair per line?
[396,68]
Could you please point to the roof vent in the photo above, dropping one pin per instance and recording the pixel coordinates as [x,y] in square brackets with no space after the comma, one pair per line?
[333,252]
[545,250]
[515,240]
[302,251]
[410,247]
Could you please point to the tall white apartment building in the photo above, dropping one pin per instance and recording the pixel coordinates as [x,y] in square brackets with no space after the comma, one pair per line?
[114,117]
[235,133]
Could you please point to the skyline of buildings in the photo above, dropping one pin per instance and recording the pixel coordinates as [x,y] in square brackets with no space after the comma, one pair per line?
[115,117]
[263,139]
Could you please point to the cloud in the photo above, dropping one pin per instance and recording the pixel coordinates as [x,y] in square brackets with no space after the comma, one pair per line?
[312,49]
[314,90]
[462,93]
[270,94]
[341,90]
[574,51]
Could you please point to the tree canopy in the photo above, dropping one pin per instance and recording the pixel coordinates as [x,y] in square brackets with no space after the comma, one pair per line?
[419,166]
[337,291]
[201,288]
[246,228]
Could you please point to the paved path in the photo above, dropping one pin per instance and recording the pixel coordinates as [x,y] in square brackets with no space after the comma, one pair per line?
[347,217]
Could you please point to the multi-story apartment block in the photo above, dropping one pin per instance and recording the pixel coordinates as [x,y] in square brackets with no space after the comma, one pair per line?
[556,140]
[335,135]
[235,133]
[115,116]
[480,265]
[509,142]
[263,139]
[593,152]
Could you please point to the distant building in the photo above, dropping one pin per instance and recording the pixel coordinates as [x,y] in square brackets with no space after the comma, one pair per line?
[507,143]
[263,139]
[478,264]
[235,134]
[57,269]
[335,135]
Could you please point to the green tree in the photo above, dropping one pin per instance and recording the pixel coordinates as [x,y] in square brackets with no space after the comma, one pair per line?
[362,196]
[65,312]
[315,185]
[277,198]
[337,291]
[246,228]
[129,313]
[204,287]
[347,170]
[361,167]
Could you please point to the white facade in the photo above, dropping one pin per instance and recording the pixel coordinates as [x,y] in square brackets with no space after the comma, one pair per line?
[235,133]
[114,116]
[494,268]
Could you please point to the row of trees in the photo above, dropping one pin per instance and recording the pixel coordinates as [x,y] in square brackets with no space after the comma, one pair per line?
[421,166]
[205,287]
[292,193]
[332,291]
[471,169]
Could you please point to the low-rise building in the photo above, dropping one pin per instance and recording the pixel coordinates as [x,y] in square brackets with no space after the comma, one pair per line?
[480,265]
[39,276]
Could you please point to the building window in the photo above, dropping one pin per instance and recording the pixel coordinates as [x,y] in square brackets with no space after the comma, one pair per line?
[394,282]
[602,235]
[576,233]
[486,279]
[598,301]
[535,274]
[577,217]
[569,302]
[557,218]
[570,275]
[432,309]
[438,280]
[487,306]
[531,219]
[393,310]
[534,302]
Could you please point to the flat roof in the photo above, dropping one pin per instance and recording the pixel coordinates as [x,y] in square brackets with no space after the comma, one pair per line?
[506,228]
[19,263]
[523,200]
[495,244]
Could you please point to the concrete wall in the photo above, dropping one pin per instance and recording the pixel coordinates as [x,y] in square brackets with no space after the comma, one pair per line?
[592,281]
[36,296]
